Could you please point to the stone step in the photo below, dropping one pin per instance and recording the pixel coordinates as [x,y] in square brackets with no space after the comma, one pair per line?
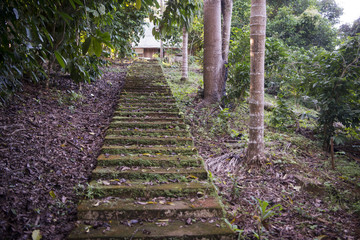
[136,189]
[147,109]
[161,229]
[159,208]
[154,125]
[147,119]
[149,90]
[148,99]
[149,173]
[167,150]
[147,105]
[132,140]
[147,114]
[125,92]
[149,160]
[149,132]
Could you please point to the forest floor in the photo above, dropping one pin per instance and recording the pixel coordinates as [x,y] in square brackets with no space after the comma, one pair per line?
[310,200]
[49,141]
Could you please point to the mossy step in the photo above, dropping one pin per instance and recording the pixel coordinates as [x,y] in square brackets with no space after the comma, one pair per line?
[123,209]
[144,84]
[148,109]
[149,89]
[168,150]
[161,229]
[148,132]
[148,160]
[147,104]
[150,94]
[147,114]
[134,189]
[148,119]
[148,99]
[131,140]
[149,173]
[156,125]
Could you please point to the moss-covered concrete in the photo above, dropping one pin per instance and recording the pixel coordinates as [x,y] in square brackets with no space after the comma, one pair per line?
[153,125]
[147,190]
[168,150]
[164,161]
[150,132]
[131,140]
[148,171]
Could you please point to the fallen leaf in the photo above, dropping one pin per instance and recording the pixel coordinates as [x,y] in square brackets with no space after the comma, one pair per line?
[36,235]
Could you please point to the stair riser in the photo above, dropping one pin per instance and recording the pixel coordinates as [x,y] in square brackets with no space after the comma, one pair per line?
[147,109]
[147,193]
[145,104]
[150,163]
[106,215]
[145,114]
[168,125]
[148,142]
[150,119]
[147,176]
[154,151]
[144,132]
[148,100]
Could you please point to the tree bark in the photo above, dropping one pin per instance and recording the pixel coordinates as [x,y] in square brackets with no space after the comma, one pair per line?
[226,11]
[184,73]
[255,151]
[213,62]
[161,42]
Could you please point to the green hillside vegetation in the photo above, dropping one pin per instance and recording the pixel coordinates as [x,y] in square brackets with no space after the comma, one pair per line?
[298,174]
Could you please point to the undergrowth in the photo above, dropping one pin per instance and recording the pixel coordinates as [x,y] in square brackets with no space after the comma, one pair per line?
[297,173]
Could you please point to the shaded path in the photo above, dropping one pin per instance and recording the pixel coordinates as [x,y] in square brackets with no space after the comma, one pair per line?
[150,181]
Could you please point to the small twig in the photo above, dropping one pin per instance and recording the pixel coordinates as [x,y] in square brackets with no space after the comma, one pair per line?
[18,130]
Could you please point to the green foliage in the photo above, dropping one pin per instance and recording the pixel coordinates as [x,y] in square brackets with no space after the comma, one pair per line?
[334,82]
[38,37]
[239,63]
[282,115]
[264,214]
[305,30]
[241,13]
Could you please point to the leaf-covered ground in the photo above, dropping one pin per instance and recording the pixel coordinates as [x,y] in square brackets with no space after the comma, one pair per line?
[316,202]
[49,141]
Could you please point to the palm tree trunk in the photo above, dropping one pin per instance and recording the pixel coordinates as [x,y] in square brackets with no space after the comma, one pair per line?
[213,62]
[255,151]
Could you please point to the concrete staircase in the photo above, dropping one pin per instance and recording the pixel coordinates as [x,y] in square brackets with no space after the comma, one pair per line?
[150,182]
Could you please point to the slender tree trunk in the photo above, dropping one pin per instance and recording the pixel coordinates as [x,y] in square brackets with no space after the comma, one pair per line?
[213,62]
[184,74]
[161,42]
[255,152]
[226,11]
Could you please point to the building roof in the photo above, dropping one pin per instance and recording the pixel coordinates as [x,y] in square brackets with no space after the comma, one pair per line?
[148,41]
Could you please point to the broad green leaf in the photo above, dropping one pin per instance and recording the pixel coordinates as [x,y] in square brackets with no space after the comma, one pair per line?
[138,4]
[61,60]
[36,235]
[86,45]
[97,47]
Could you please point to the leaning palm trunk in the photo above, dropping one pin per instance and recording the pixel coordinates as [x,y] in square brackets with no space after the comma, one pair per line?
[184,74]
[255,152]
